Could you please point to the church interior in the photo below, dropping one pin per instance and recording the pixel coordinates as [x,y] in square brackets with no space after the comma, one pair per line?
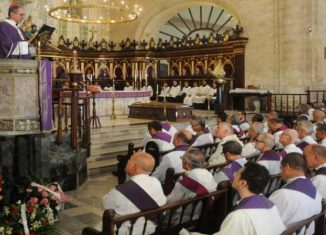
[112,86]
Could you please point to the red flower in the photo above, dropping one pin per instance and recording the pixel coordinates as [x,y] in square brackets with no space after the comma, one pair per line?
[13,210]
[30,209]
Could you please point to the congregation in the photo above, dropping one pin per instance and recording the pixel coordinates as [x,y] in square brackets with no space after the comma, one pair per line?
[248,153]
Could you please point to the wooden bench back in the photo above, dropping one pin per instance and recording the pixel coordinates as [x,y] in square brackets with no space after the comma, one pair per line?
[212,203]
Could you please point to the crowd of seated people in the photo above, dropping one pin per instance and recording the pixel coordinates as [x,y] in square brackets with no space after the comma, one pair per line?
[298,154]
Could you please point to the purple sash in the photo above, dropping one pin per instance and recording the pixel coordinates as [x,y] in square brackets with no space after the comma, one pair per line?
[181,147]
[270,155]
[302,185]
[282,153]
[255,202]
[321,171]
[302,145]
[193,186]
[166,126]
[138,196]
[231,168]
[163,136]
[206,130]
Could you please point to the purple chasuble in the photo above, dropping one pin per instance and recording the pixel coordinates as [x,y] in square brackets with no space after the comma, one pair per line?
[321,171]
[9,38]
[255,202]
[166,126]
[138,196]
[163,136]
[193,186]
[231,168]
[269,155]
[302,185]
[181,148]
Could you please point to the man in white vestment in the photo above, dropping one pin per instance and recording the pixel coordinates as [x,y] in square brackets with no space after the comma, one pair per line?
[188,100]
[165,91]
[249,149]
[144,186]
[321,134]
[186,89]
[128,87]
[160,137]
[276,127]
[174,91]
[224,132]
[298,199]
[318,118]
[197,182]
[255,214]
[172,159]
[242,121]
[288,138]
[305,131]
[203,92]
[268,158]
[203,135]
[232,153]
[315,155]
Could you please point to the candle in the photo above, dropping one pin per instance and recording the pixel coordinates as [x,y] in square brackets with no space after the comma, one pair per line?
[156,89]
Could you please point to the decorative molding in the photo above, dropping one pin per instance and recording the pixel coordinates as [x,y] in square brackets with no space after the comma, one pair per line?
[27,125]
[6,125]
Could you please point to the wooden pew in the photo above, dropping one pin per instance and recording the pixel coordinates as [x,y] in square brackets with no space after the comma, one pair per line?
[274,183]
[213,211]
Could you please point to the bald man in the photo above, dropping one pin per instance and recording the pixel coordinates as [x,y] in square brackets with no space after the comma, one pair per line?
[288,138]
[124,198]
[315,155]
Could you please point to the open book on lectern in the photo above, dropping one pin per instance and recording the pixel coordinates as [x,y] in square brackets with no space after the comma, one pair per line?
[44,34]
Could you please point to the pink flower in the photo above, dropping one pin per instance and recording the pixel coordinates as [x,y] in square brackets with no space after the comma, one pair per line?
[53,187]
[34,200]
[45,194]
[44,201]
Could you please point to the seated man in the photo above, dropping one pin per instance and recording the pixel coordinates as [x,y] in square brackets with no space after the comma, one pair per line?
[249,149]
[305,131]
[203,135]
[318,118]
[315,155]
[185,91]
[321,134]
[255,214]
[232,153]
[298,199]
[288,138]
[276,127]
[161,138]
[194,90]
[224,132]
[167,127]
[198,181]
[242,121]
[128,87]
[269,158]
[174,91]
[172,159]
[142,192]
[202,93]
[164,91]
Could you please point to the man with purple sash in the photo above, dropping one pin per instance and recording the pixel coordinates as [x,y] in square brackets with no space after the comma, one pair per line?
[197,181]
[141,193]
[203,135]
[167,127]
[249,150]
[242,121]
[305,131]
[276,126]
[232,153]
[321,134]
[298,199]
[172,159]
[13,41]
[161,138]
[255,214]
[316,159]
[288,138]
[269,158]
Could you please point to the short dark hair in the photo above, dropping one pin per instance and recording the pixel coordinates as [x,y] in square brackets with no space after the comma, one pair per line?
[319,149]
[256,175]
[295,161]
[321,128]
[223,116]
[243,112]
[13,8]
[232,147]
[156,125]
[257,118]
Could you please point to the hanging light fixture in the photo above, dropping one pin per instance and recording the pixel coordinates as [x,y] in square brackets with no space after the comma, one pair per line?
[94,11]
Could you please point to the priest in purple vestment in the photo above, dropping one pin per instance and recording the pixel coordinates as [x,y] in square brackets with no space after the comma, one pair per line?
[13,41]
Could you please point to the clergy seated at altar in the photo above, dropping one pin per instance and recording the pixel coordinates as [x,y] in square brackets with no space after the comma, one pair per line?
[161,138]
[197,182]
[174,92]
[202,93]
[165,91]
[298,199]
[13,40]
[254,214]
[203,135]
[128,87]
[181,141]
[315,155]
[184,92]
[188,100]
[141,193]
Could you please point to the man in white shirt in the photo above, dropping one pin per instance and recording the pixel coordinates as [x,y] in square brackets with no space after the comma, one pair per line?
[315,155]
[203,135]
[174,91]
[298,199]
[255,214]
[160,137]
[276,126]
[165,91]
[202,94]
[124,198]
[242,121]
[269,158]
[305,131]
[288,138]
[249,149]
[172,159]
[321,134]
[224,132]
[194,90]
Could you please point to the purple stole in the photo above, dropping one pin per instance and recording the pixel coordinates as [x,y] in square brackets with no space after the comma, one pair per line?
[321,171]
[166,126]
[138,196]
[182,147]
[282,128]
[302,185]
[206,130]
[193,186]
[231,168]
[302,145]
[270,155]
[162,136]
[243,121]
[282,153]
[255,202]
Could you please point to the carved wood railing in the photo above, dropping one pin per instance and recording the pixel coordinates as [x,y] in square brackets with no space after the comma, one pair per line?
[77,122]
[286,104]
[316,95]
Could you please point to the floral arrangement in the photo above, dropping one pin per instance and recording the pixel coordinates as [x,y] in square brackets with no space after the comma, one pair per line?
[35,214]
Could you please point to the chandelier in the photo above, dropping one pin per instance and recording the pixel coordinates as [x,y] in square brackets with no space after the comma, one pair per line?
[93,11]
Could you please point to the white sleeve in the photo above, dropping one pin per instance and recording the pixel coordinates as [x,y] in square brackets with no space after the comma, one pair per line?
[237,222]
[160,171]
[177,193]
[110,199]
